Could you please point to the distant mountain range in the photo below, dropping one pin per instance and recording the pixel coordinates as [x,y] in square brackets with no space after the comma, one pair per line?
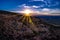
[51,19]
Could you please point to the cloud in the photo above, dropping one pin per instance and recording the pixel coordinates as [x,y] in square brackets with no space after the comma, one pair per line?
[37,0]
[26,6]
[49,3]
[23,6]
[46,9]
[35,6]
[43,11]
[51,11]
[57,11]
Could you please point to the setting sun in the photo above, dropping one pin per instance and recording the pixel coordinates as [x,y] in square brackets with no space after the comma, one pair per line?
[27,12]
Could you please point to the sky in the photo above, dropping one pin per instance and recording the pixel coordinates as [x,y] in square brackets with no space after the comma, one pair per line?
[39,6]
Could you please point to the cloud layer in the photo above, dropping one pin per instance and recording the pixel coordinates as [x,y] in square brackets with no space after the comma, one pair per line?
[50,7]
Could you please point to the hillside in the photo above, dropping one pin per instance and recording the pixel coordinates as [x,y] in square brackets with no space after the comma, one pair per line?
[12,28]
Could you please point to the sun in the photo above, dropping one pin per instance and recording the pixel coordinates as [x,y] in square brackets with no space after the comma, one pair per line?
[27,12]
[27,18]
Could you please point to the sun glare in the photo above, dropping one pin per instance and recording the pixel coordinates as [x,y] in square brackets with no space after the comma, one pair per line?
[27,17]
[27,12]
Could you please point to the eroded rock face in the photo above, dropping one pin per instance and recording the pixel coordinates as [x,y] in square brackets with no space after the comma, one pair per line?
[12,28]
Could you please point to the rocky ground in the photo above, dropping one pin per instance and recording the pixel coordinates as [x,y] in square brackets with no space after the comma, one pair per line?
[12,28]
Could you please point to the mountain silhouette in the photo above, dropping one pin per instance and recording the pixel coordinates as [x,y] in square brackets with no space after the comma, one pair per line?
[12,27]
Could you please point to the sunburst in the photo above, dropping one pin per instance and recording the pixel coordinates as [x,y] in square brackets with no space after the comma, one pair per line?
[28,19]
